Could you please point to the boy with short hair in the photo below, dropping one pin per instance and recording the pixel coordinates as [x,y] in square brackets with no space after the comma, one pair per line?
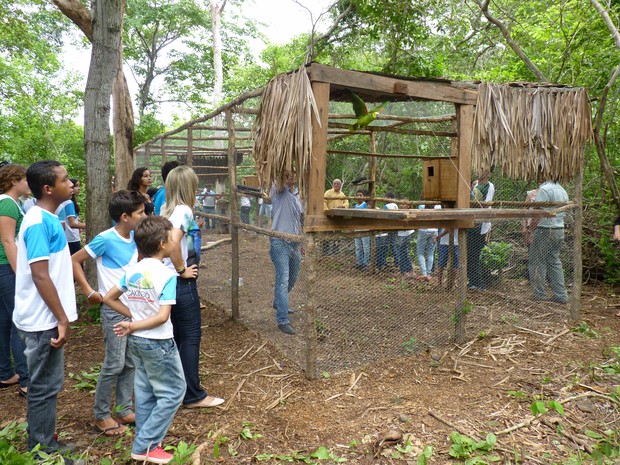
[159,380]
[44,298]
[114,251]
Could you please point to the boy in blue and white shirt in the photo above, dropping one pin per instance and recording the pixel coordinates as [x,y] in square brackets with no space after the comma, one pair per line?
[44,298]
[150,288]
[115,252]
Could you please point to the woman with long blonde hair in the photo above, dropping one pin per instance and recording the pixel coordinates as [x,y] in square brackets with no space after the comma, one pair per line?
[181,185]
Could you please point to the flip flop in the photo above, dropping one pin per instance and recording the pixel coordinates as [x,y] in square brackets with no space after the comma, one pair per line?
[125,422]
[4,385]
[111,430]
[618,314]
[23,392]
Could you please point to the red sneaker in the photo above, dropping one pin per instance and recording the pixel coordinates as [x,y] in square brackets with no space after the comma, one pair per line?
[157,455]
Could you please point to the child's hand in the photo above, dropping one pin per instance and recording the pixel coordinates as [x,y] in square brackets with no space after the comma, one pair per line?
[123,328]
[63,333]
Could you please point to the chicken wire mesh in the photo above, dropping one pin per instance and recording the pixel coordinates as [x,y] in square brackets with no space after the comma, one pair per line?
[347,314]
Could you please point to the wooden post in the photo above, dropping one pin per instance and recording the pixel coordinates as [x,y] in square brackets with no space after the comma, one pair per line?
[190,147]
[318,163]
[372,193]
[465,128]
[460,313]
[234,217]
[310,311]
[162,146]
[575,298]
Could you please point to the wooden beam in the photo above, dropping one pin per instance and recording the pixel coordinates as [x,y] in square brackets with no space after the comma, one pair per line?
[426,90]
[234,216]
[382,155]
[323,223]
[318,163]
[440,215]
[392,129]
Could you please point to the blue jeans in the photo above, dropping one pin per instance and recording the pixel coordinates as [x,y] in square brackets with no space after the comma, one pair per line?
[117,370]
[209,222]
[425,250]
[443,255]
[545,264]
[244,213]
[384,245]
[286,258]
[186,321]
[47,375]
[159,386]
[10,342]
[404,262]
[362,251]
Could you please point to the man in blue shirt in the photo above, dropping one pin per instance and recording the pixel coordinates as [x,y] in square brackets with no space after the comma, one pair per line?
[285,255]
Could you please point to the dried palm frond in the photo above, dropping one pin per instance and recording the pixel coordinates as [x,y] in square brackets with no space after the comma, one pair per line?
[283,129]
[523,129]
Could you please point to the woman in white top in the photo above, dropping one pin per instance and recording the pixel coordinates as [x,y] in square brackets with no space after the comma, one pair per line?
[181,184]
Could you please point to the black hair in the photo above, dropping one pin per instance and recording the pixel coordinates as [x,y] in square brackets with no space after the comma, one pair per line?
[124,201]
[75,204]
[364,192]
[390,195]
[41,173]
[167,167]
[151,191]
[136,177]
[150,232]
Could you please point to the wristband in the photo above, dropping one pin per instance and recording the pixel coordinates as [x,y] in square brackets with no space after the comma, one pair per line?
[181,271]
[91,294]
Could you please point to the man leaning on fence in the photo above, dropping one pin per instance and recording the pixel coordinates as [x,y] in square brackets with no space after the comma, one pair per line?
[285,255]
[544,253]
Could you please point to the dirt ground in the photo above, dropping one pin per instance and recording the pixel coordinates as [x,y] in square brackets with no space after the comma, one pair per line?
[385,412]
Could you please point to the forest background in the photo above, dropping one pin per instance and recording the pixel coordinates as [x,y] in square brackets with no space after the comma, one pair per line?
[198,54]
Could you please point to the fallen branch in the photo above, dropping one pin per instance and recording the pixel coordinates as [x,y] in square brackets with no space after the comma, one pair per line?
[566,434]
[550,340]
[212,245]
[280,399]
[196,455]
[230,400]
[453,426]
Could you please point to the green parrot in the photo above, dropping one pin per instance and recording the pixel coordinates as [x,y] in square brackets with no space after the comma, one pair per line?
[364,117]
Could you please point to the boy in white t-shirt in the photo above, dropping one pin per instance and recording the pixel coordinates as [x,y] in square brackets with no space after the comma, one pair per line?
[150,288]
[44,298]
[114,252]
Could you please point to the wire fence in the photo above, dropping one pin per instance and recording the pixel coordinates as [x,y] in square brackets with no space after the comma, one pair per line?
[411,294]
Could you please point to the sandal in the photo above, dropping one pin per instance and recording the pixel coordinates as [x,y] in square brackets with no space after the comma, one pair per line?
[116,430]
[22,392]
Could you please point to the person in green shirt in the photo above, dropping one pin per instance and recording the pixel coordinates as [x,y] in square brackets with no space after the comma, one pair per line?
[12,185]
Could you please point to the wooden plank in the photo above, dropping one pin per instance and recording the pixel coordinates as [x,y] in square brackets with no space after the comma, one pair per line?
[234,216]
[439,215]
[409,132]
[318,163]
[465,128]
[356,80]
[323,223]
[383,155]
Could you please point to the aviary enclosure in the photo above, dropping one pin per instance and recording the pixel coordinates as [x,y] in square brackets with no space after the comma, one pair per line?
[430,140]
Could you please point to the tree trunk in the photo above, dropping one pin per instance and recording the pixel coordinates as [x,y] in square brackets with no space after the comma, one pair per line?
[106,21]
[123,124]
[216,15]
[123,111]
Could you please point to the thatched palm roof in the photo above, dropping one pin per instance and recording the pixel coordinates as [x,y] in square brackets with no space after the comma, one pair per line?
[526,129]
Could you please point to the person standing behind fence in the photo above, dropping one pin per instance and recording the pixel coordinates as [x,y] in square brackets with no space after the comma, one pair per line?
[181,184]
[245,205]
[208,205]
[483,191]
[334,198]
[444,251]
[386,241]
[13,368]
[285,255]
[547,239]
[362,244]
[425,249]
[159,199]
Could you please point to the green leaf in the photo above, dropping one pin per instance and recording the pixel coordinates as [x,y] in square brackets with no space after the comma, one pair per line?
[538,408]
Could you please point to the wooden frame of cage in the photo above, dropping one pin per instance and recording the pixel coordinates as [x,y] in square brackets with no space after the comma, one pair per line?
[324,80]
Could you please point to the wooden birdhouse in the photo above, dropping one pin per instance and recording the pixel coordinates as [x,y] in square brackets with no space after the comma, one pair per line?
[440,179]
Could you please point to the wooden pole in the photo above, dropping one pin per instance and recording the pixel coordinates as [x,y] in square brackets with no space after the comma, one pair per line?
[460,313]
[575,298]
[310,312]
[190,147]
[318,164]
[234,216]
